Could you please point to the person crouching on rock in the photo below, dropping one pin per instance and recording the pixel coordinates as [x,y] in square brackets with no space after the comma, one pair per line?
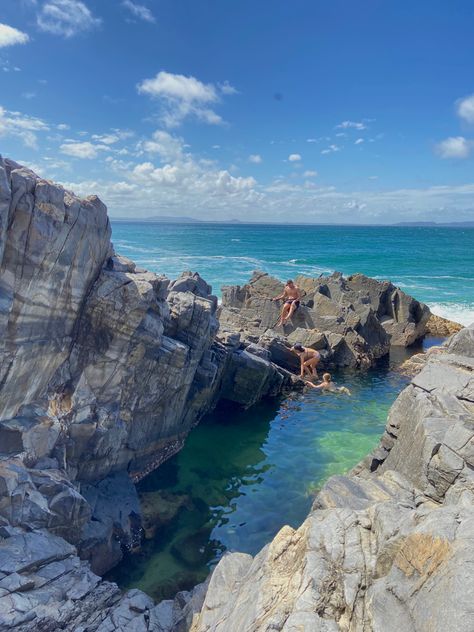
[328,385]
[292,296]
[309,359]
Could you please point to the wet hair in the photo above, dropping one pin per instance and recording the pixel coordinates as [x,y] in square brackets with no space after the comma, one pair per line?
[289,281]
[298,346]
[327,376]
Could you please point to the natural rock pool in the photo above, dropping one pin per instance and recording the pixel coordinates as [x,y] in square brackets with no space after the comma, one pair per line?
[242,475]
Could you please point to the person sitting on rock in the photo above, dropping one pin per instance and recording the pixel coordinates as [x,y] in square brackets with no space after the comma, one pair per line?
[291,295]
[309,359]
[328,385]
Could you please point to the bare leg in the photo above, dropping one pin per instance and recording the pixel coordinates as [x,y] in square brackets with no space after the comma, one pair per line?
[310,367]
[283,315]
[292,311]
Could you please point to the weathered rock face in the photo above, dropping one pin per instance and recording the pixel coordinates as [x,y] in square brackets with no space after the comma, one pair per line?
[439,326]
[103,366]
[388,547]
[104,369]
[352,320]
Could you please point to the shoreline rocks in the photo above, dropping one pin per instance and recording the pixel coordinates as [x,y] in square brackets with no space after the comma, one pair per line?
[352,321]
[104,369]
[387,547]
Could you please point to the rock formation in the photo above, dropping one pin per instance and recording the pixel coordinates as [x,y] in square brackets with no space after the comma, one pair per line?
[352,321]
[104,369]
[386,548]
[439,326]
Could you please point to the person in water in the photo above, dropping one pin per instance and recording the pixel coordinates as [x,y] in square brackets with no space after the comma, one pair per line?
[309,359]
[328,385]
[291,295]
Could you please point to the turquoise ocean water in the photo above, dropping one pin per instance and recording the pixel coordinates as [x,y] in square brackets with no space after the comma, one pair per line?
[436,265]
[242,475]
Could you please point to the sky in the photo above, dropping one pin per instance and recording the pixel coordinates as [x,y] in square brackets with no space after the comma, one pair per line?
[276,111]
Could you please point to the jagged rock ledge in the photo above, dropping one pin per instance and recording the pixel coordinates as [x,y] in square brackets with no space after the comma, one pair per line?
[104,369]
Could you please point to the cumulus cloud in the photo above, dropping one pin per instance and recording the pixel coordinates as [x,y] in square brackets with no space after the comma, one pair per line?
[255,158]
[352,124]
[21,126]
[359,141]
[168,147]
[310,174]
[465,108]
[9,36]
[294,157]
[139,11]
[181,97]
[84,149]
[66,18]
[454,147]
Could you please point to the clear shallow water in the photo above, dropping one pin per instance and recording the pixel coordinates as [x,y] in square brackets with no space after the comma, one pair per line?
[242,475]
[436,265]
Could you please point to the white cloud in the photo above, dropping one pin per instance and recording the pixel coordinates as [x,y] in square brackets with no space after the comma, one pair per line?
[255,158]
[331,149]
[351,124]
[465,108]
[63,126]
[84,149]
[227,88]
[359,141]
[170,148]
[66,18]
[139,11]
[22,126]
[310,174]
[294,157]
[181,97]
[311,140]
[454,147]
[9,36]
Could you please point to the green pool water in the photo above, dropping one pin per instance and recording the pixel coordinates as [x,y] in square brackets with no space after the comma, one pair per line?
[242,475]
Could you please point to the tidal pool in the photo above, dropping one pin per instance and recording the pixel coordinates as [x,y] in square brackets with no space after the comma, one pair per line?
[242,475]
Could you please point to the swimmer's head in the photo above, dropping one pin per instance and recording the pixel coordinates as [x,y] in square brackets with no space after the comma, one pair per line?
[298,347]
[327,377]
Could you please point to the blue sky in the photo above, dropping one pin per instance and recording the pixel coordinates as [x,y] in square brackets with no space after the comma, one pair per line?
[271,111]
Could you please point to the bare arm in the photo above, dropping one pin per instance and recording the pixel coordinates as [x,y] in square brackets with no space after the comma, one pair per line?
[278,298]
[318,386]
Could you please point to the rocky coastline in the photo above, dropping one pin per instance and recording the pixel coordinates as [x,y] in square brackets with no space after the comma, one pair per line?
[104,370]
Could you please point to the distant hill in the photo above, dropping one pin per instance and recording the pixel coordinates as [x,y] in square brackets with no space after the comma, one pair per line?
[168,219]
[467,224]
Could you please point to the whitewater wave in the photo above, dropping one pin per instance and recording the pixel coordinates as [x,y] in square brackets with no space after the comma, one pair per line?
[462,313]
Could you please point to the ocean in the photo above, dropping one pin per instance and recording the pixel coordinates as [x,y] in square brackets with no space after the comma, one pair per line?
[435,265]
[243,474]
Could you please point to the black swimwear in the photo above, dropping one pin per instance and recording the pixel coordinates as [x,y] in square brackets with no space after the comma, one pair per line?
[293,300]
